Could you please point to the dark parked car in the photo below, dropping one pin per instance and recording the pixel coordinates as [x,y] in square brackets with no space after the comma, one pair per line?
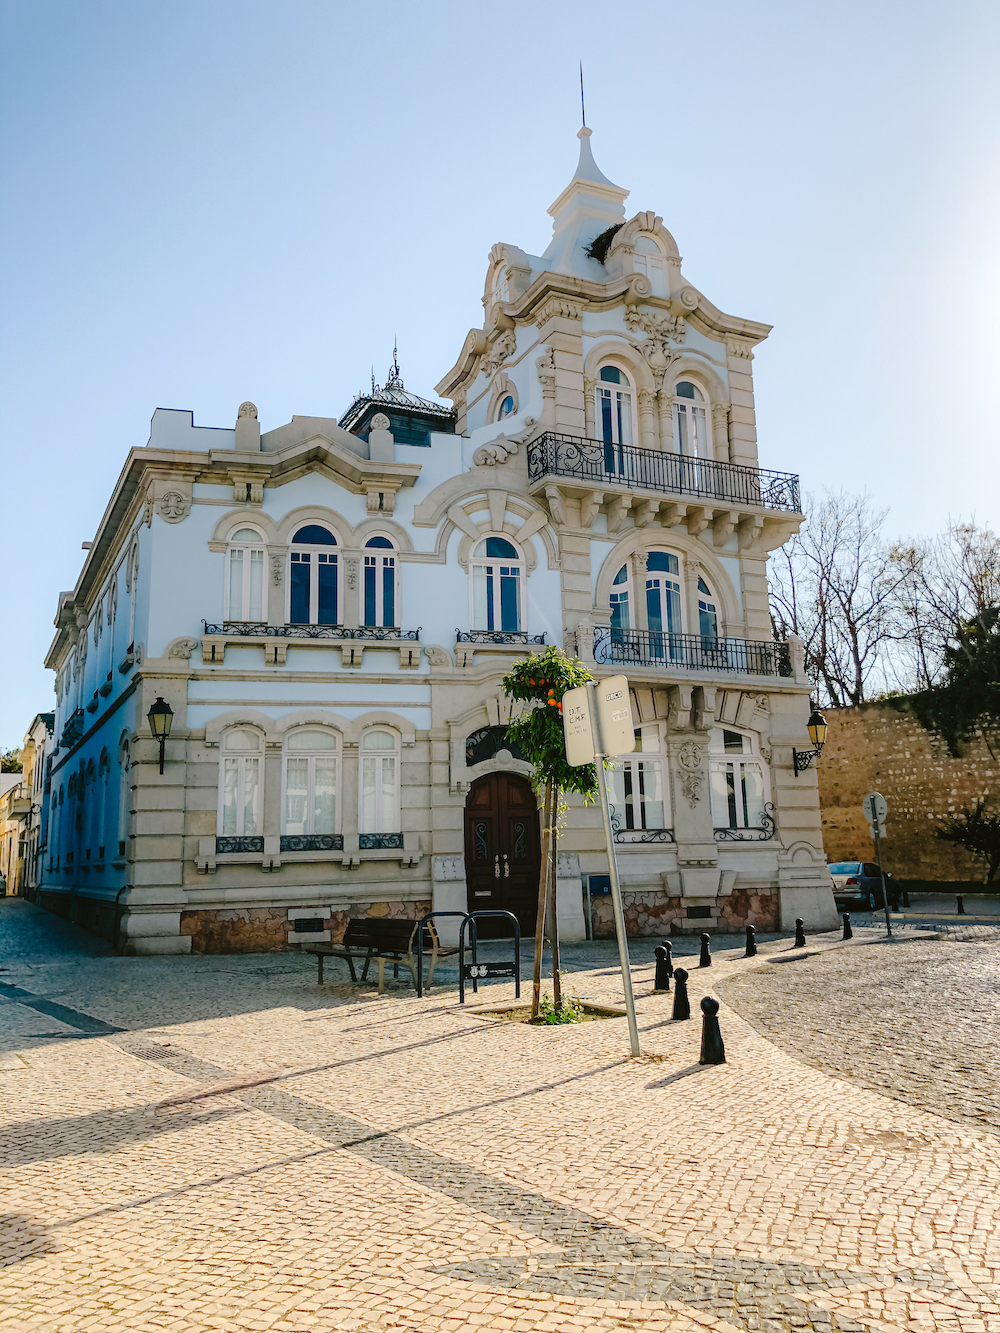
[858,884]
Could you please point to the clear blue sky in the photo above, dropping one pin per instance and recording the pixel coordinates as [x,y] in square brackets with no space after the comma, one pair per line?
[212,200]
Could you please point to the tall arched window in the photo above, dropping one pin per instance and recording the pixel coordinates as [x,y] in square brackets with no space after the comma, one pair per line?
[124,799]
[245,583]
[380,582]
[88,810]
[648,259]
[691,417]
[614,406]
[313,592]
[663,598]
[496,585]
[621,601]
[103,768]
[708,619]
[379,785]
[311,762]
[739,791]
[239,786]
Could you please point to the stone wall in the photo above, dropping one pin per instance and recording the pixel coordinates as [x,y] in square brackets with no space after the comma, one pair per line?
[656,914]
[881,747]
[265,929]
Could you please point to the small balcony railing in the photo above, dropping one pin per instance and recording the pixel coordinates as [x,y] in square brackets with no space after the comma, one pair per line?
[258,629]
[514,636]
[639,647]
[600,464]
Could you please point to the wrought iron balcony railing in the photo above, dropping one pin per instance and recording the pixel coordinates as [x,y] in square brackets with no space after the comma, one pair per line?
[258,629]
[639,647]
[515,636]
[599,464]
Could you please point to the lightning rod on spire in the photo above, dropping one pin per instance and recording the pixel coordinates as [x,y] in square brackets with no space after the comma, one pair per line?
[583,109]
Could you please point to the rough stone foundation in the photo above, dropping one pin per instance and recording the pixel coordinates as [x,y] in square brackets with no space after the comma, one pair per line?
[654,914]
[265,929]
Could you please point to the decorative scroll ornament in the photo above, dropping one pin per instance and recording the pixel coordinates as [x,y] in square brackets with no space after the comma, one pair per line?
[182,648]
[380,421]
[546,367]
[505,346]
[351,562]
[503,447]
[689,757]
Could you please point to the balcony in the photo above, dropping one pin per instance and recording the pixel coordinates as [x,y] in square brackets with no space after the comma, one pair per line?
[73,730]
[518,637]
[597,465]
[689,652]
[277,639]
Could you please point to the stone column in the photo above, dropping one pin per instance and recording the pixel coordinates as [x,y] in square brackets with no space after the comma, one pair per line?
[665,401]
[647,419]
[692,573]
[589,389]
[742,420]
[720,432]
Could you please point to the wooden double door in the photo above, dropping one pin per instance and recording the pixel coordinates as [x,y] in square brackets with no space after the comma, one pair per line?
[502,851]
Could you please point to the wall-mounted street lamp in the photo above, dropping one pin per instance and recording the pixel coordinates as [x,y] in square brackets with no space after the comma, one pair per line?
[160,716]
[816,727]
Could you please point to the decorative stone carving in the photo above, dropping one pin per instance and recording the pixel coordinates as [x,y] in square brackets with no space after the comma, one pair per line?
[147,509]
[277,564]
[182,648]
[797,656]
[689,298]
[720,428]
[502,447]
[558,307]
[742,350]
[505,346]
[112,603]
[640,564]
[248,410]
[689,757]
[379,421]
[174,507]
[590,507]
[351,564]
[546,367]
[556,507]
[437,656]
[248,492]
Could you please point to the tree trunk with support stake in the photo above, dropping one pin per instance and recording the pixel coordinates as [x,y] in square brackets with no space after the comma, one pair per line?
[553,898]
[543,896]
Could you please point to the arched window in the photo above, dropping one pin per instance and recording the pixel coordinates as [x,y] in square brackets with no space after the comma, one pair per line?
[380,582]
[88,809]
[739,791]
[102,805]
[621,601]
[379,787]
[506,407]
[501,286]
[496,585]
[648,259]
[613,407]
[691,417]
[663,600]
[245,583]
[239,787]
[708,619]
[313,594]
[311,760]
[639,793]
[124,799]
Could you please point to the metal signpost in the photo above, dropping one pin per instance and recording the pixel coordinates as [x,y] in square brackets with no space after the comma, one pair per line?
[597,722]
[875,811]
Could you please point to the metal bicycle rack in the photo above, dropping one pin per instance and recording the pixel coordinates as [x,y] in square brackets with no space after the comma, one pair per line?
[484,971]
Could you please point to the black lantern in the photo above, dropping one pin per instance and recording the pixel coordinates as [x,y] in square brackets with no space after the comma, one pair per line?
[816,727]
[160,716]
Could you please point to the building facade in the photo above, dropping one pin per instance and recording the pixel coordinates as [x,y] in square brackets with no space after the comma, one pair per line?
[22,801]
[328,609]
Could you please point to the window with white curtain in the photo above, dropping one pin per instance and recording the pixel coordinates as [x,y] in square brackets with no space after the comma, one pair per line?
[380,582]
[310,780]
[638,788]
[648,259]
[614,407]
[313,591]
[497,571]
[379,785]
[691,421]
[739,782]
[708,618]
[240,783]
[663,595]
[245,583]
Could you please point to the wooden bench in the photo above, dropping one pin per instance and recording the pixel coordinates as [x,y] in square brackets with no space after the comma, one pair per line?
[382,940]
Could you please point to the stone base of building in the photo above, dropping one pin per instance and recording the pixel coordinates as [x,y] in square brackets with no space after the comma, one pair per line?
[652,913]
[267,929]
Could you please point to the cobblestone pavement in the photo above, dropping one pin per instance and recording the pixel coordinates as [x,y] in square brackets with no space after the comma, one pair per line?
[915,1019]
[217,1143]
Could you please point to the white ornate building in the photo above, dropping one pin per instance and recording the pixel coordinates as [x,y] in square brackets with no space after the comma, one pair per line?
[328,610]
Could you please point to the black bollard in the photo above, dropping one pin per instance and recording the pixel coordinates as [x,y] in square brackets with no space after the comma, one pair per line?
[661,981]
[751,950]
[670,956]
[713,1052]
[682,1005]
[800,933]
[706,953]
[848,932]
[961,906]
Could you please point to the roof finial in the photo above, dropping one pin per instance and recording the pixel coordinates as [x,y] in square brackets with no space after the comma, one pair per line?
[583,109]
[395,380]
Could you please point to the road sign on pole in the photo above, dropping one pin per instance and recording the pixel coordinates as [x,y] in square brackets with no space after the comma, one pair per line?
[597,723]
[875,810]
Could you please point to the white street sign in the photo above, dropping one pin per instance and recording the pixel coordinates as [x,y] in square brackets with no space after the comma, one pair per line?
[874,808]
[617,726]
[576,727]
[876,831]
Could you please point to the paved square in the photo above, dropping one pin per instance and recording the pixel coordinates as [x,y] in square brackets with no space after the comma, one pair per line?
[216,1143]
